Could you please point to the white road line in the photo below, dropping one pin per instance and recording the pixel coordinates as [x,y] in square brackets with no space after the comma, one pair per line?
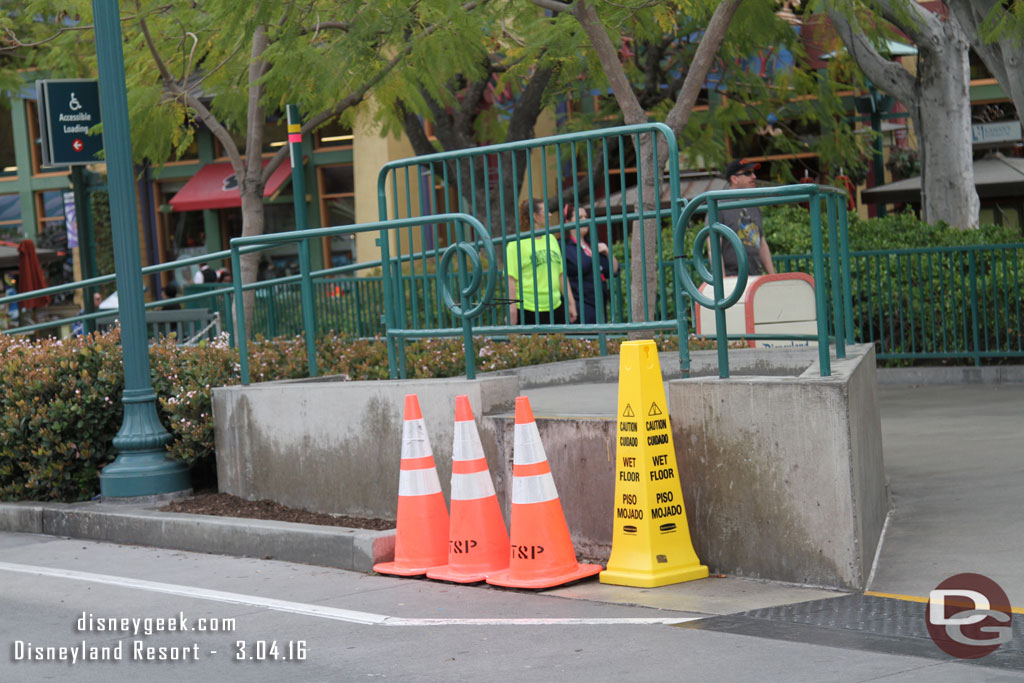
[321,611]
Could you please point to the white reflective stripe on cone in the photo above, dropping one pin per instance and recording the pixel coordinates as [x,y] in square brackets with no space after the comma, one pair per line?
[527,448]
[472,486]
[418,482]
[539,488]
[466,444]
[415,442]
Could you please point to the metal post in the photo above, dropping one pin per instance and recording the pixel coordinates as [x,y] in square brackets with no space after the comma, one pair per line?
[820,304]
[142,467]
[838,321]
[299,199]
[878,158]
[972,273]
[86,241]
[719,289]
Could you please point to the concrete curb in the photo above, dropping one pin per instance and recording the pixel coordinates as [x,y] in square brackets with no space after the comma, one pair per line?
[326,546]
[959,374]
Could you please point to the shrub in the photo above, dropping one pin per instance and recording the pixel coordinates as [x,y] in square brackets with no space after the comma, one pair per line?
[787,229]
[916,303]
[59,412]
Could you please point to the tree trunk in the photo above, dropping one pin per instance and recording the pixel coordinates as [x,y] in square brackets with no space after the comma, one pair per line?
[939,99]
[252,224]
[643,284]
[947,166]
[1004,57]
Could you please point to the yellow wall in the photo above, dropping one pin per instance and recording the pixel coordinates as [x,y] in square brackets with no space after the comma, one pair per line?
[370,151]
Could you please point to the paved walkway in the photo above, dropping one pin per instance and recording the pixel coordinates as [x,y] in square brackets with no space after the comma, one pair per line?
[954,458]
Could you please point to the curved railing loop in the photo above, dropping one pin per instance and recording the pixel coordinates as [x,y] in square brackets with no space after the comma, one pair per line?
[469,289]
[699,260]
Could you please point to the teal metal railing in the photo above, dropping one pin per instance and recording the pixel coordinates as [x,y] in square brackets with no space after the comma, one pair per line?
[437,279]
[599,171]
[216,294]
[708,241]
[470,276]
[935,303]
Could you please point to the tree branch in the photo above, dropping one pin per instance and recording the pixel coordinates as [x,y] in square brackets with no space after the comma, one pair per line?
[609,57]
[553,5]
[203,113]
[256,118]
[925,25]
[529,104]
[712,39]
[971,15]
[15,42]
[887,75]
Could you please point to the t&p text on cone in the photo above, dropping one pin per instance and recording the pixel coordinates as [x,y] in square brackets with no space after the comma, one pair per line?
[478,539]
[542,552]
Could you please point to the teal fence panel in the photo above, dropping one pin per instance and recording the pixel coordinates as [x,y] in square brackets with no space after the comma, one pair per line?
[597,171]
[935,303]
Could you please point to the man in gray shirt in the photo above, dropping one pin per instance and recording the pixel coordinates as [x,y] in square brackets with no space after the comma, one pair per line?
[747,223]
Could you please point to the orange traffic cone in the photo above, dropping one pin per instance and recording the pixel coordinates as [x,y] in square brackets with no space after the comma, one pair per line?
[422,534]
[477,540]
[542,552]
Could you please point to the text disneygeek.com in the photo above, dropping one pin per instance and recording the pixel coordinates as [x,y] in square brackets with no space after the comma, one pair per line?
[135,648]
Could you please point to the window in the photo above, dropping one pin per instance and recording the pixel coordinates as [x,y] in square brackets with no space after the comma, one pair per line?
[50,209]
[8,164]
[275,134]
[37,146]
[338,207]
[333,135]
[10,217]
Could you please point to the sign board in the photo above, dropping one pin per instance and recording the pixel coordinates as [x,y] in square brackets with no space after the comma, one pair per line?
[68,109]
[1001,131]
[70,219]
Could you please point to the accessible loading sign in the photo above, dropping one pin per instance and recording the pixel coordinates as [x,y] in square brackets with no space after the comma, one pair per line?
[68,109]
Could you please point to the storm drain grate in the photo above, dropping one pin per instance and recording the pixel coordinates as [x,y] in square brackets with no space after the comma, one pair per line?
[858,622]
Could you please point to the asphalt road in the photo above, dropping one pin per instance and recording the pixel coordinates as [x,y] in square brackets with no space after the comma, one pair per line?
[301,623]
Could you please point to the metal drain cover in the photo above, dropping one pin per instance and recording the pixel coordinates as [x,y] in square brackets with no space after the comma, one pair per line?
[858,622]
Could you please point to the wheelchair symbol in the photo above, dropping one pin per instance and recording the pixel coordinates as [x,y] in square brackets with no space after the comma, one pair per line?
[74,104]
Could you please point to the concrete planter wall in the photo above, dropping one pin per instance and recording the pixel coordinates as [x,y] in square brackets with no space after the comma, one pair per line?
[334,446]
[782,472]
[783,477]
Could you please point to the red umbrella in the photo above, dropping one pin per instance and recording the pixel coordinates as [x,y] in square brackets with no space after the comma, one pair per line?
[30,275]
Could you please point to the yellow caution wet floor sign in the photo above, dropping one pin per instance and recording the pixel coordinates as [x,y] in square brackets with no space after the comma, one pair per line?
[651,543]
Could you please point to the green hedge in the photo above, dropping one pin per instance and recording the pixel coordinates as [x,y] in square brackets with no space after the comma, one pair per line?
[787,229]
[60,408]
[917,306]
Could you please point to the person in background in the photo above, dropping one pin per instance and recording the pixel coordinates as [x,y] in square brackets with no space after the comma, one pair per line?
[224,275]
[747,223]
[78,328]
[171,291]
[536,281]
[204,275]
[579,256]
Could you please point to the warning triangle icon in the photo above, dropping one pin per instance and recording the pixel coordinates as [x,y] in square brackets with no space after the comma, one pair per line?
[655,410]
[628,412]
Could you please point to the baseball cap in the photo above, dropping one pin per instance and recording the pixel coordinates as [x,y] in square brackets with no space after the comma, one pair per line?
[738,166]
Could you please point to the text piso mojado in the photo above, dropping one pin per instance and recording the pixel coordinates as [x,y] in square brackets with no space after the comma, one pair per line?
[136,650]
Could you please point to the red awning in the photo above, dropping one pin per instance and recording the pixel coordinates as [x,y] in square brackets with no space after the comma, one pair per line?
[216,187]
